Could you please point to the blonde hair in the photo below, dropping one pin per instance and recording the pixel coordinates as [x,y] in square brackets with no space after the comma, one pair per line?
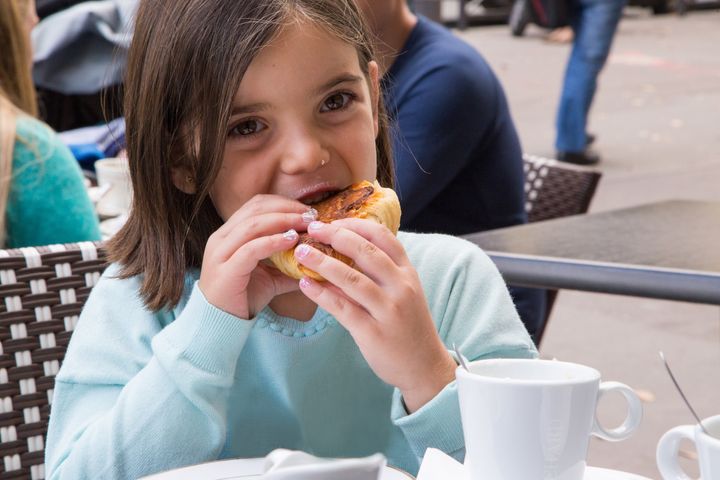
[16,61]
[17,92]
[7,145]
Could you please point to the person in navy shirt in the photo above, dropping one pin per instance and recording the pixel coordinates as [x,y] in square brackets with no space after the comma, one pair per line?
[458,160]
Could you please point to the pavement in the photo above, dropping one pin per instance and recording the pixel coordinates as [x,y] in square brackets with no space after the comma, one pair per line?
[657,118]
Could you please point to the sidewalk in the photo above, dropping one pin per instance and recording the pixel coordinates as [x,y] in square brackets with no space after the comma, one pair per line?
[657,118]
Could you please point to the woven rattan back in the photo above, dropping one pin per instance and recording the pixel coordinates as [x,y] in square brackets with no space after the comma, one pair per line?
[43,290]
[555,189]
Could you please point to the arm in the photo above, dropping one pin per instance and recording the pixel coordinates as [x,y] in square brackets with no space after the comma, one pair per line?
[471,308]
[412,297]
[48,202]
[134,396]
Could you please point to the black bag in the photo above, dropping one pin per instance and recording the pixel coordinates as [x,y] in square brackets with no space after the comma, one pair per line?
[550,13]
[67,112]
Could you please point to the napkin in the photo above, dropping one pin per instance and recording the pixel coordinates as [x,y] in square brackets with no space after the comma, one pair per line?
[284,464]
[437,465]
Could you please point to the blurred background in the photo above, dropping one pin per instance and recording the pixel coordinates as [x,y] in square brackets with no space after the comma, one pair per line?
[658,108]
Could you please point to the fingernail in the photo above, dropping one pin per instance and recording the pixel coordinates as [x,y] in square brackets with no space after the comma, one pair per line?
[310,215]
[316,226]
[290,235]
[302,250]
[306,283]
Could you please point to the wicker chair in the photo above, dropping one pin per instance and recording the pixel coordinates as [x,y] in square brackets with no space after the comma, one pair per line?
[553,190]
[43,290]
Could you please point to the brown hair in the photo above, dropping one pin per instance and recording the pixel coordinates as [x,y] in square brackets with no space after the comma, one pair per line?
[185,65]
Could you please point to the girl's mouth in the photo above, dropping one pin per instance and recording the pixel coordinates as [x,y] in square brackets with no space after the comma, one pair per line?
[318,197]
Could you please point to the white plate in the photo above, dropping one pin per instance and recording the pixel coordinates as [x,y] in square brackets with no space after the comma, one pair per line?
[594,473]
[241,469]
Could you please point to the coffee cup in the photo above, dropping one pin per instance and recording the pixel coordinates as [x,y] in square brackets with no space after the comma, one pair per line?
[706,444]
[115,173]
[527,419]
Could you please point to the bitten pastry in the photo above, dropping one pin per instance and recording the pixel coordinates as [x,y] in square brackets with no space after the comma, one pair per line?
[359,200]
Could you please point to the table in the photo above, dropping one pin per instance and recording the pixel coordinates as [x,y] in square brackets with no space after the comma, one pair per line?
[668,250]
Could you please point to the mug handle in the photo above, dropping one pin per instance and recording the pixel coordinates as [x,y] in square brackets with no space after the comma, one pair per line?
[667,452]
[632,421]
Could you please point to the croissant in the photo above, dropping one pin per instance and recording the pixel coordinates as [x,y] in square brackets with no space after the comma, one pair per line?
[359,200]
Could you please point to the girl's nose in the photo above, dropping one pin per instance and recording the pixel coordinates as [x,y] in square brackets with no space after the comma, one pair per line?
[303,152]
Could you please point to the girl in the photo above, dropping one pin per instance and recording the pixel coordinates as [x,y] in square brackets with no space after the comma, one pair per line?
[42,196]
[191,347]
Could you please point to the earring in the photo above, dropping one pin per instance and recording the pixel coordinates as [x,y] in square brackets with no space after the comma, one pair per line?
[323,162]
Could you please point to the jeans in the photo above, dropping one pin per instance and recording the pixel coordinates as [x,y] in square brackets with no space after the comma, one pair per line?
[594,23]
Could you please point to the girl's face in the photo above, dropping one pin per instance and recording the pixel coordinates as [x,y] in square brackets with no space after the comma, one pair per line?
[304,122]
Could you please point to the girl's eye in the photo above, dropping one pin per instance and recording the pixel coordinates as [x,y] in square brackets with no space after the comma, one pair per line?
[337,101]
[247,128]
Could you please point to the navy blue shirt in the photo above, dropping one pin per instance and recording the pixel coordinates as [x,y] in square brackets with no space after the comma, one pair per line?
[458,161]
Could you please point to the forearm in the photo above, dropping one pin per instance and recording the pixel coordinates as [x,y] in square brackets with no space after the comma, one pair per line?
[443,372]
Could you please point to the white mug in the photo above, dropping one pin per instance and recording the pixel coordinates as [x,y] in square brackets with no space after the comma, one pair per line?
[708,449]
[114,172]
[529,419]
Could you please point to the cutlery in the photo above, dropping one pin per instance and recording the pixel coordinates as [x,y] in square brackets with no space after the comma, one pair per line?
[460,357]
[672,377]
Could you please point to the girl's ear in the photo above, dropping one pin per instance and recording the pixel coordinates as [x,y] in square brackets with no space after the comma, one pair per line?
[183,180]
[373,71]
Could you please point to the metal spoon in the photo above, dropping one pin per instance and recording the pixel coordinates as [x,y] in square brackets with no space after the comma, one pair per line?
[461,357]
[672,377]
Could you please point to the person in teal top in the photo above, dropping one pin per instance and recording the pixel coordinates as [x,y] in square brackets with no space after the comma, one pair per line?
[193,347]
[47,202]
[42,193]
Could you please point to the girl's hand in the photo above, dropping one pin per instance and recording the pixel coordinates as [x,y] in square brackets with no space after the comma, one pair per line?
[233,278]
[383,306]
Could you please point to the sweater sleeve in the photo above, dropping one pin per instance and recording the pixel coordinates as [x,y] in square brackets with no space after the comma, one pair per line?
[48,202]
[472,308]
[131,390]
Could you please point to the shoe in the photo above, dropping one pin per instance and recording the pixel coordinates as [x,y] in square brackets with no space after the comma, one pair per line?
[579,158]
[589,139]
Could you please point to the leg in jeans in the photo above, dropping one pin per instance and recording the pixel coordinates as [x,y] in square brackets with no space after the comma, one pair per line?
[594,23]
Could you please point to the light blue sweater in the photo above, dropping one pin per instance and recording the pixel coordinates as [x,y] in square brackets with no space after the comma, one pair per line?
[141,392]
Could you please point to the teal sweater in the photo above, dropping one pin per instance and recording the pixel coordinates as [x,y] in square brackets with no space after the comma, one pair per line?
[141,392]
[48,202]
